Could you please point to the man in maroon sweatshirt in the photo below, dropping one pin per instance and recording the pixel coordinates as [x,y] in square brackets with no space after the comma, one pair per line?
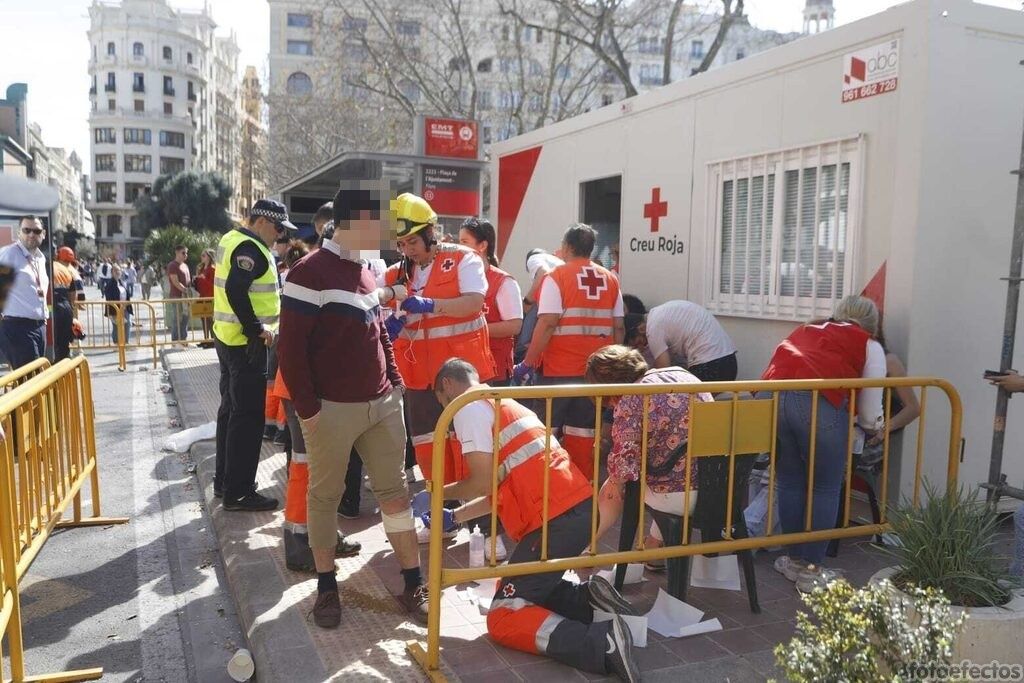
[337,361]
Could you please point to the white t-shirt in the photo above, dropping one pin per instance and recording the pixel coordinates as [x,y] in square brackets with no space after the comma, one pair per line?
[547,261]
[550,300]
[474,426]
[510,300]
[688,331]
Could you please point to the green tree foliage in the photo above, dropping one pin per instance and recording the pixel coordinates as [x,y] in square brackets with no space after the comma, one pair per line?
[160,245]
[194,198]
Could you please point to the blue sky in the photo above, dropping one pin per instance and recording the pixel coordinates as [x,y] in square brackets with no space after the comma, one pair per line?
[45,46]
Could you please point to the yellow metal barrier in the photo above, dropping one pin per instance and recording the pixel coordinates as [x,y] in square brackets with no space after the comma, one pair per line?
[48,455]
[149,325]
[16,378]
[728,427]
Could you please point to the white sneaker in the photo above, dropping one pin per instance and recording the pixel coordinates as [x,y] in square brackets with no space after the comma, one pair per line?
[499,550]
[423,535]
[789,567]
[815,577]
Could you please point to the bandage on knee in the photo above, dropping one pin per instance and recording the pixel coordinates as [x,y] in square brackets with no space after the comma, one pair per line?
[397,523]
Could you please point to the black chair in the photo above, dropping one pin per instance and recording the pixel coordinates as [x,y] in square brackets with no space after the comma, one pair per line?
[866,473]
[709,516]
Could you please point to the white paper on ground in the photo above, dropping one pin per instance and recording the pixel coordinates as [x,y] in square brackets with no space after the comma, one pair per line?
[182,441]
[637,625]
[634,574]
[696,629]
[670,615]
[482,593]
[715,572]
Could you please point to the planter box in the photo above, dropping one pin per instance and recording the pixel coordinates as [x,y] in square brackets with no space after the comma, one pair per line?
[989,633]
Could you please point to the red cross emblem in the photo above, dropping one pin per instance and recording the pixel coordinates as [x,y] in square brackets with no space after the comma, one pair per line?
[656,209]
[447,265]
[486,309]
[592,282]
[509,590]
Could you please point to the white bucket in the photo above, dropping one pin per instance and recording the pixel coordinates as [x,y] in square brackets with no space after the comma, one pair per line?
[240,666]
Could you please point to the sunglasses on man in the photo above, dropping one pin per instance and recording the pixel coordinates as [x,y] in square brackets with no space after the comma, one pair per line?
[32,231]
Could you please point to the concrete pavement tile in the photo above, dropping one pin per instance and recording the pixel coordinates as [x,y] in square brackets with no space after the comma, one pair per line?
[740,641]
[695,649]
[764,664]
[549,672]
[778,632]
[475,659]
[654,656]
[729,670]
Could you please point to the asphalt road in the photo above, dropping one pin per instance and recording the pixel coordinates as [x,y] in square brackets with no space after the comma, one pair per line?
[145,600]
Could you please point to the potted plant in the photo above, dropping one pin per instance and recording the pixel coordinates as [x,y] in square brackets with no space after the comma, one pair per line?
[871,634]
[950,544]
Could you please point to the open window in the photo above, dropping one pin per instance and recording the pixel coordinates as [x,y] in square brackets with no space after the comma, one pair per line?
[601,209]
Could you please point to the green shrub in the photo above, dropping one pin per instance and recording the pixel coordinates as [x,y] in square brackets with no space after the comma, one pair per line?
[949,544]
[868,635]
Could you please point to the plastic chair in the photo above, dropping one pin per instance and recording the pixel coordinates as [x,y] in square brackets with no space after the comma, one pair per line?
[742,427]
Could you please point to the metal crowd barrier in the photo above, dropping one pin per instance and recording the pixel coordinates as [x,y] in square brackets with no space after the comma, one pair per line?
[17,377]
[731,427]
[149,328]
[48,454]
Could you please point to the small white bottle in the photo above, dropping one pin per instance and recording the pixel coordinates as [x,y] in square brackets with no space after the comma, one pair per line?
[476,547]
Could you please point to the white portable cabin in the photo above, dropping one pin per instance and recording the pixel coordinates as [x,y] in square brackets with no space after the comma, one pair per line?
[722,189]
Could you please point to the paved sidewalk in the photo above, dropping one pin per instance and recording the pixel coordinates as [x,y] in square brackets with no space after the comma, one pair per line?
[273,602]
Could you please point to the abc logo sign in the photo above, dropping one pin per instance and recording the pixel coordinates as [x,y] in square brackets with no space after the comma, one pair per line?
[883,62]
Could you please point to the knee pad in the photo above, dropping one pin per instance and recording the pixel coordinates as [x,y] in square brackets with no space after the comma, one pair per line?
[397,523]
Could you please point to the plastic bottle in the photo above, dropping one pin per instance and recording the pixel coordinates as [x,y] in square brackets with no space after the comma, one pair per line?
[476,547]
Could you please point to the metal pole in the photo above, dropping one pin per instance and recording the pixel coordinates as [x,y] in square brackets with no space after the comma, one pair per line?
[1009,335]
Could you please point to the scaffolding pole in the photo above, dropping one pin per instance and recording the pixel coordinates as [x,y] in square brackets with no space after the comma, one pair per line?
[996,485]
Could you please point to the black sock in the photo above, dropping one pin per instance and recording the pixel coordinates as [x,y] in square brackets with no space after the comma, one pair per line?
[326,582]
[413,578]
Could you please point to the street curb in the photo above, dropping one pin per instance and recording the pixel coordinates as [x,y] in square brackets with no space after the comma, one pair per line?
[279,642]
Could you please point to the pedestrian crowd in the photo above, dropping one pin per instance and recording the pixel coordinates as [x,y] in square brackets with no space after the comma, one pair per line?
[348,360]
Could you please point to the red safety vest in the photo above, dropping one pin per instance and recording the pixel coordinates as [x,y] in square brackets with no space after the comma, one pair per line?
[430,339]
[502,348]
[589,294]
[827,350]
[521,446]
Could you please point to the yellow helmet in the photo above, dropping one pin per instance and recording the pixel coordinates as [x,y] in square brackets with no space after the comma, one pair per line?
[412,214]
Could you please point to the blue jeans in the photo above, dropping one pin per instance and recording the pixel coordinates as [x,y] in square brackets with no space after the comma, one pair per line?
[178,324]
[126,324]
[792,458]
[1017,565]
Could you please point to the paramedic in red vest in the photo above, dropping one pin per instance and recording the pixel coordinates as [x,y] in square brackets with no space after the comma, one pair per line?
[841,347]
[442,318]
[580,310]
[539,613]
[503,305]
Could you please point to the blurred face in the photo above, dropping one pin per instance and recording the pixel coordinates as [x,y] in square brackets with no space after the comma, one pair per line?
[181,255]
[640,341]
[281,248]
[414,247]
[467,239]
[32,234]
[363,231]
[116,272]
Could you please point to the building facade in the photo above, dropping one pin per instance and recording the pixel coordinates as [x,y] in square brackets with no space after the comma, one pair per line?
[158,76]
[252,151]
[522,77]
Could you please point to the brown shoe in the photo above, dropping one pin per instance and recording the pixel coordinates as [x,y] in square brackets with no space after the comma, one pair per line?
[414,600]
[327,610]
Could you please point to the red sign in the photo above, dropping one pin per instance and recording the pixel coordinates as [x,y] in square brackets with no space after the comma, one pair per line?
[450,138]
[452,191]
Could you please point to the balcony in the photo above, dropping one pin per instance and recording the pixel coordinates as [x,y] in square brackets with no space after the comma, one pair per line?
[138,87]
[169,92]
[110,87]
[192,97]
[92,90]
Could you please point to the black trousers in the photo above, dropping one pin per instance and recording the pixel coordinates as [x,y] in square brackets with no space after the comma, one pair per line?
[722,369]
[243,390]
[23,340]
[62,317]
[353,480]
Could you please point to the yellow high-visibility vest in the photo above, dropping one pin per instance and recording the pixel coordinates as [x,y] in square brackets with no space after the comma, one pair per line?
[263,293]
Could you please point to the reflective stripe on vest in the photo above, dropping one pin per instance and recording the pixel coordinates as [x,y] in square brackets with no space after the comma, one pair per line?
[443,331]
[263,292]
[578,431]
[531,448]
[584,330]
[587,313]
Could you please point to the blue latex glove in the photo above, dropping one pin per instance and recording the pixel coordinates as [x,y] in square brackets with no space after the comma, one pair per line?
[394,325]
[523,374]
[448,520]
[418,304]
[421,503]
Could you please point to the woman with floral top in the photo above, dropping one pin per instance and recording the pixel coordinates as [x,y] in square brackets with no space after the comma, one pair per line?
[668,424]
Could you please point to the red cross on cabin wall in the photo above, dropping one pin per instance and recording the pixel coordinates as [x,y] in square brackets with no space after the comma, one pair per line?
[656,209]
[592,282]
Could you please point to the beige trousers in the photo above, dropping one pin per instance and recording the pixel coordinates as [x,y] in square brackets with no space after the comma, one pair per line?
[377,430]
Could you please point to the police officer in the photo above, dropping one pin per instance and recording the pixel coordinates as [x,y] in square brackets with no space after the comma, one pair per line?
[67,288]
[246,307]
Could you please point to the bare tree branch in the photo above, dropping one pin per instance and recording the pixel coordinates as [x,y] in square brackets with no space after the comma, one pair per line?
[729,16]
